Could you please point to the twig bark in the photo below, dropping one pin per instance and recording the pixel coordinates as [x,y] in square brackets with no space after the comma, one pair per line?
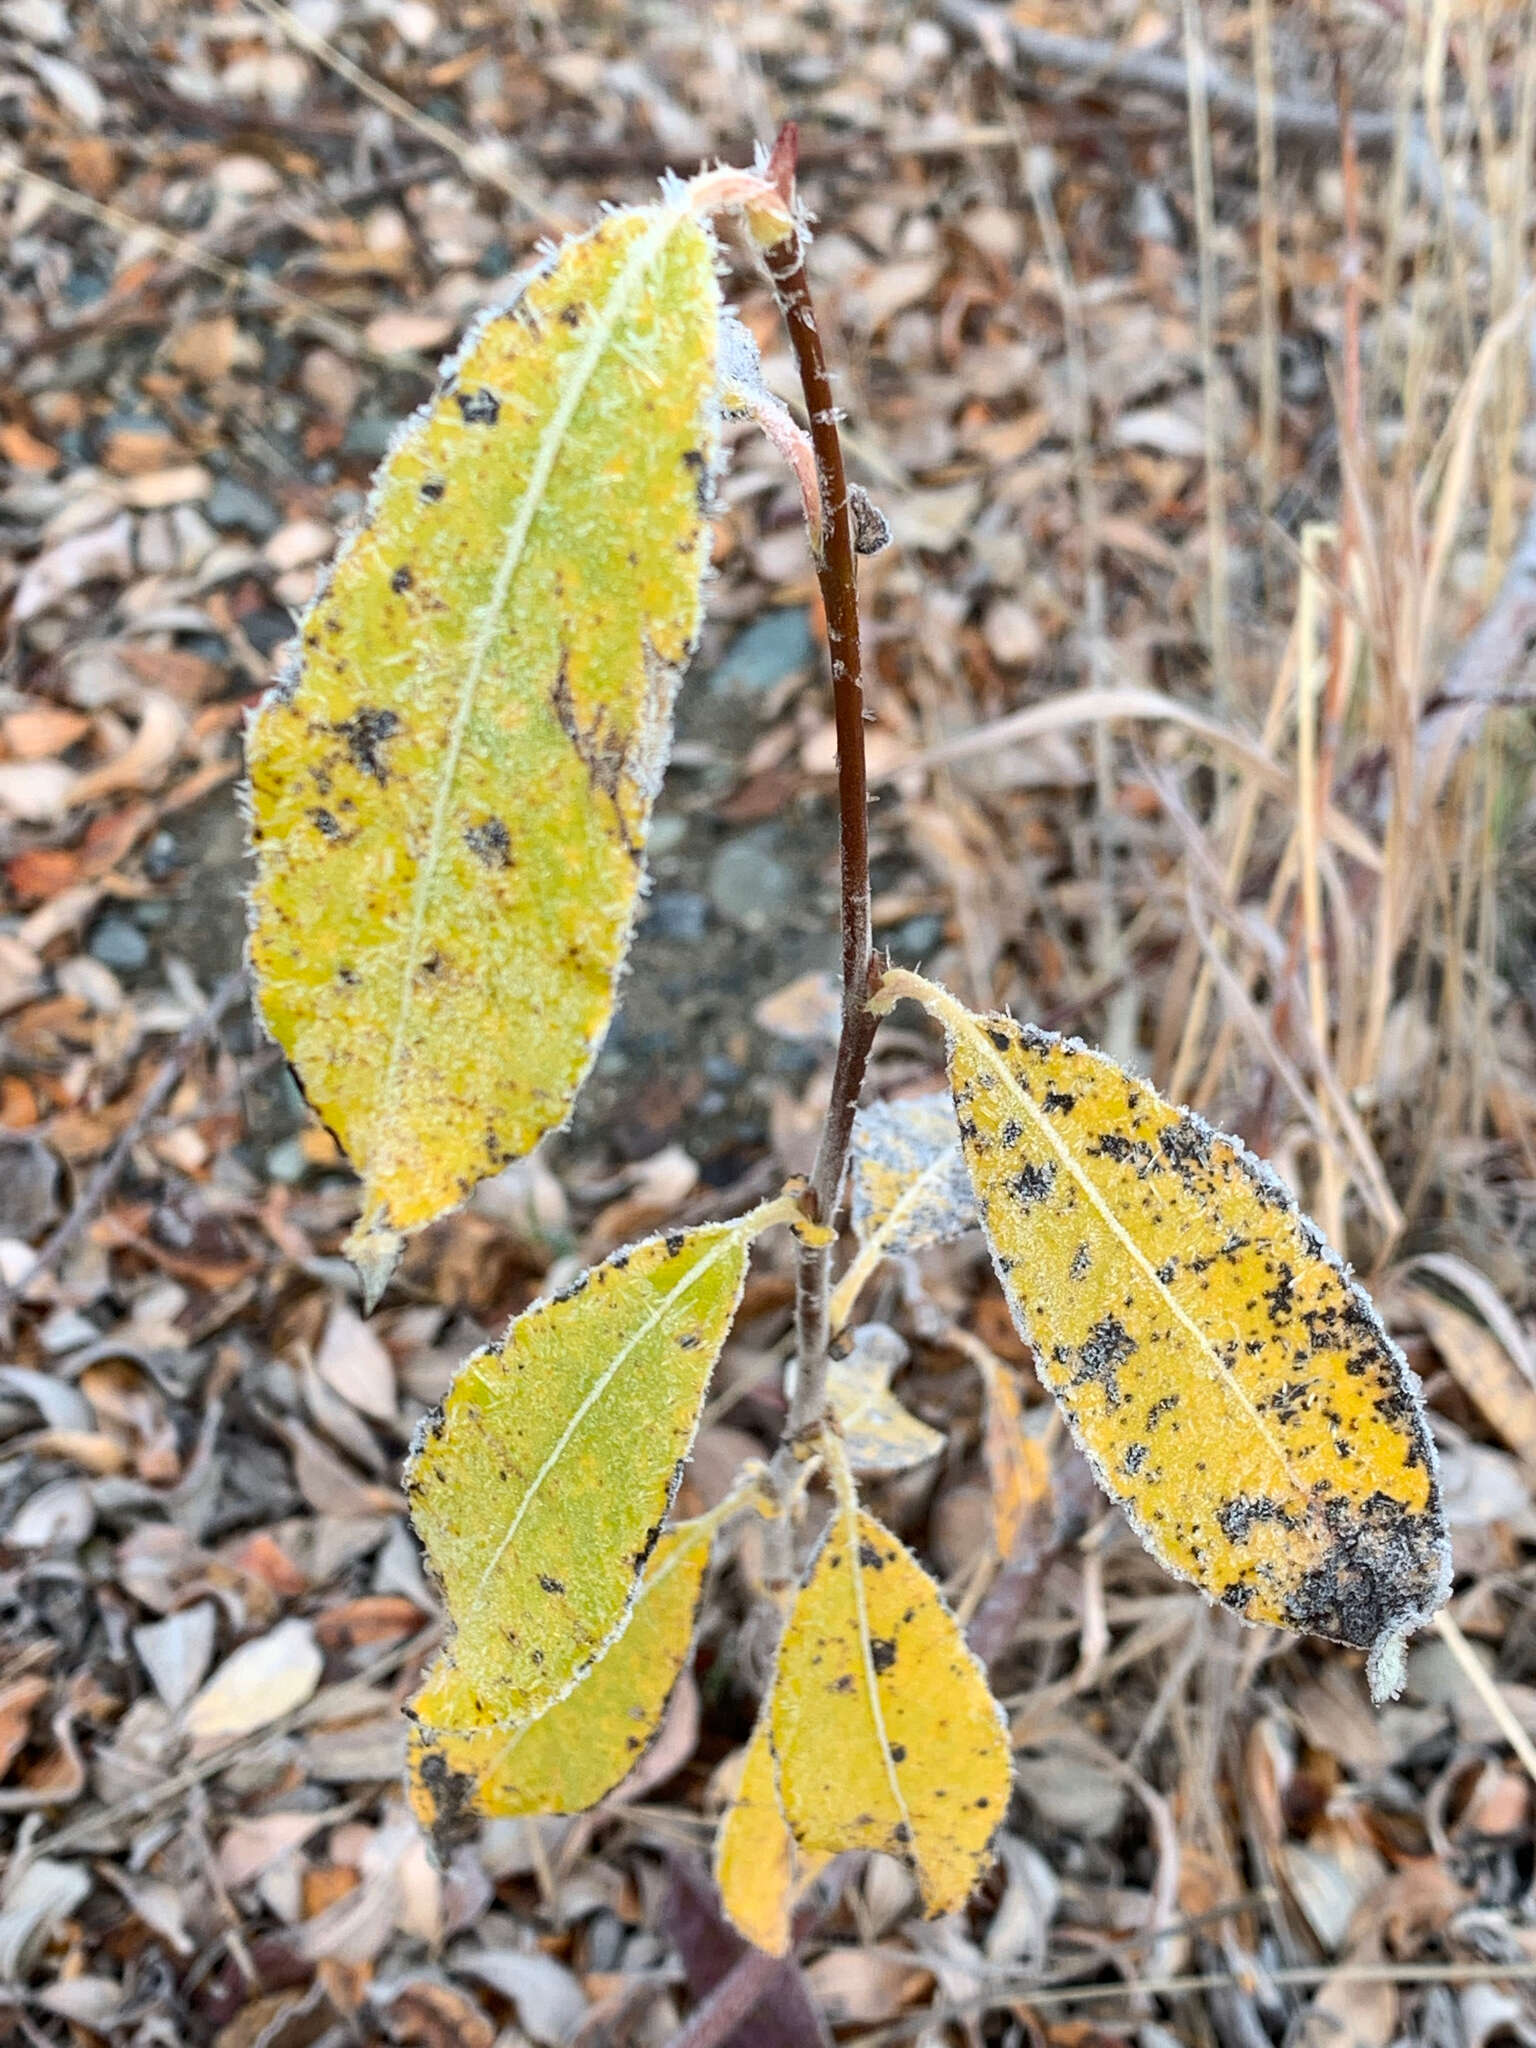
[836,573]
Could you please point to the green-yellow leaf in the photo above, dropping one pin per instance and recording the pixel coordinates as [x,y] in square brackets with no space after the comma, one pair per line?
[540,1486]
[884,1731]
[879,1435]
[573,1752]
[1225,1377]
[759,1867]
[451,788]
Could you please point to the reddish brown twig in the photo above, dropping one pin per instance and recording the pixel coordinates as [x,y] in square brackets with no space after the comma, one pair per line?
[836,573]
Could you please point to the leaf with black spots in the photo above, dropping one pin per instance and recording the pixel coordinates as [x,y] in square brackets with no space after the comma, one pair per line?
[1229,1382]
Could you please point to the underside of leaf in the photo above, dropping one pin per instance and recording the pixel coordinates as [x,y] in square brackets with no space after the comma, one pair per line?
[1224,1375]
[451,789]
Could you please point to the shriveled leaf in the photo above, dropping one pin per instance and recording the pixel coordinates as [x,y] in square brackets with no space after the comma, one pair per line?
[1017,1465]
[451,789]
[540,1486]
[879,1435]
[760,1868]
[1225,1377]
[572,1753]
[910,1186]
[885,1733]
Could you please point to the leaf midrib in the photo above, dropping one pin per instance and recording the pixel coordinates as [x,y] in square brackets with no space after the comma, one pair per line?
[961,1020]
[730,1239]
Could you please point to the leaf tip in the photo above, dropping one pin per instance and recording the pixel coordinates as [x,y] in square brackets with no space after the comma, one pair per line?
[374,1250]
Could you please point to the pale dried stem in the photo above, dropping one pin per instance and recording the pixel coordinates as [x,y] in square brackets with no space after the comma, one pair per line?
[1205,238]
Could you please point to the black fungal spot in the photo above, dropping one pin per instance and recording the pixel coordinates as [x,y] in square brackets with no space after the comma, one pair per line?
[572,313]
[489,842]
[693,458]
[1057,1103]
[401,581]
[479,408]
[898,1752]
[1110,1146]
[1185,1144]
[1164,1406]
[365,733]
[433,489]
[1033,1183]
[1282,1296]
[882,1652]
[1384,1561]
[1000,1039]
[551,1584]
[1135,1458]
[1109,1344]
[452,1794]
[325,824]
[1237,1518]
[674,1241]
[870,1558]
[1082,1259]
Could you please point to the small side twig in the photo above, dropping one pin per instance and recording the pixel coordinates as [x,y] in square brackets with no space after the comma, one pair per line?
[101,1182]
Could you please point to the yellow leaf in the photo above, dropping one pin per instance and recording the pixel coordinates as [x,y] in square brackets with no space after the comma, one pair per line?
[879,1435]
[884,1731]
[451,788]
[759,1867]
[1225,1377]
[540,1486]
[573,1752]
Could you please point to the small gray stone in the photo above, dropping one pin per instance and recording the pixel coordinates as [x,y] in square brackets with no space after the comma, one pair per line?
[29,1188]
[777,645]
[234,504]
[677,914]
[119,945]
[286,1162]
[668,831]
[747,883]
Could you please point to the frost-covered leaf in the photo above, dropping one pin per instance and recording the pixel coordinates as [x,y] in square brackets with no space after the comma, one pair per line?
[910,1187]
[573,1752]
[884,1732]
[1225,1377]
[760,1868]
[879,1435]
[540,1486]
[451,789]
